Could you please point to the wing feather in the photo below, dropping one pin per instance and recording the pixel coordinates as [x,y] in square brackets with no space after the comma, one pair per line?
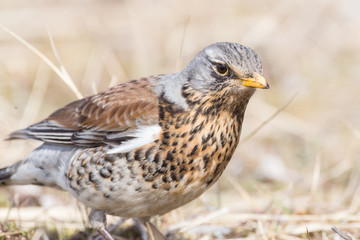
[110,117]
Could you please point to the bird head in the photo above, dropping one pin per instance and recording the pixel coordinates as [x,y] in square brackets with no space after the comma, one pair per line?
[226,64]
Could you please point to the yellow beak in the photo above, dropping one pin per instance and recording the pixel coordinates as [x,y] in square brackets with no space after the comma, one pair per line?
[257,81]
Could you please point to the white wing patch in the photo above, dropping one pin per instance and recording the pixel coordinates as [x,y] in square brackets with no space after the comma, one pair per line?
[141,136]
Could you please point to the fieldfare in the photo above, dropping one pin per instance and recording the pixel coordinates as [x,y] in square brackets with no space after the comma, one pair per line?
[147,146]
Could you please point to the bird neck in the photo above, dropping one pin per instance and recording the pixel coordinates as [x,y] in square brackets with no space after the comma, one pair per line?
[230,99]
[204,136]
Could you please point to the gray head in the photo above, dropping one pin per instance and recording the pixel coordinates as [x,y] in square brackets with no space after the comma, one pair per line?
[224,63]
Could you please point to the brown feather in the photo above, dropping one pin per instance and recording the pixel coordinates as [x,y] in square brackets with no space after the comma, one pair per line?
[88,121]
[120,108]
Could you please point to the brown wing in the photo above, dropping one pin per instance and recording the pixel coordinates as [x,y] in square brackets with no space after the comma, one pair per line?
[105,118]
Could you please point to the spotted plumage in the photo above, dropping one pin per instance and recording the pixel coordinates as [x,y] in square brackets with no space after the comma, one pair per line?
[145,147]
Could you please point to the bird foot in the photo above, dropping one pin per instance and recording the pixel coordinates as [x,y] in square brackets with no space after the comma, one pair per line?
[98,221]
[105,234]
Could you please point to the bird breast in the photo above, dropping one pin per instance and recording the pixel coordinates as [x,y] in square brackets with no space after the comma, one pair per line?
[192,150]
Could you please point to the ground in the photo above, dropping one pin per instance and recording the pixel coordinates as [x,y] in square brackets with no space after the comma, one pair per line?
[296,171]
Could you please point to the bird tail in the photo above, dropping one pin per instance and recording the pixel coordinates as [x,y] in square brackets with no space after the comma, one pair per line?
[6,173]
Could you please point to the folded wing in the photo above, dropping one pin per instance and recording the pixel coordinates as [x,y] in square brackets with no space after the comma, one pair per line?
[117,116]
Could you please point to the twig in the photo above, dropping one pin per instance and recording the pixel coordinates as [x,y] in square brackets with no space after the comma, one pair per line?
[61,72]
[241,191]
[343,235]
[316,176]
[179,60]
[261,229]
[352,128]
[269,119]
[36,97]
[66,77]
[308,234]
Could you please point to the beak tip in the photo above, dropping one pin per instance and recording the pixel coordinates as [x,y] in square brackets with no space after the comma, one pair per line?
[256,81]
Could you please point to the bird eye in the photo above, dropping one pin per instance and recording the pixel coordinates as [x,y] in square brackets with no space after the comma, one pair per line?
[222,69]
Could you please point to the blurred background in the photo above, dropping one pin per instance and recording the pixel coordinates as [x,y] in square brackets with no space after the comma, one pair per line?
[293,178]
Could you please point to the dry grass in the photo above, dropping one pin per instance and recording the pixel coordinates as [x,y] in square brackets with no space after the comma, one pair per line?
[296,178]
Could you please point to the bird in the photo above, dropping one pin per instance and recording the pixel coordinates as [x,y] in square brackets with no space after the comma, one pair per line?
[147,146]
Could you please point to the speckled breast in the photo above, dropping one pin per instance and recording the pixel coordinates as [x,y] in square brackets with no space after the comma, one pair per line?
[189,156]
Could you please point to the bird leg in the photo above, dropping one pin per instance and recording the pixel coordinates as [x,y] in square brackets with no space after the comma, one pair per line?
[153,232]
[98,221]
[140,227]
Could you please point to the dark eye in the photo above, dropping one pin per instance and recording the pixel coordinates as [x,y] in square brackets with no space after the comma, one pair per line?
[222,69]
